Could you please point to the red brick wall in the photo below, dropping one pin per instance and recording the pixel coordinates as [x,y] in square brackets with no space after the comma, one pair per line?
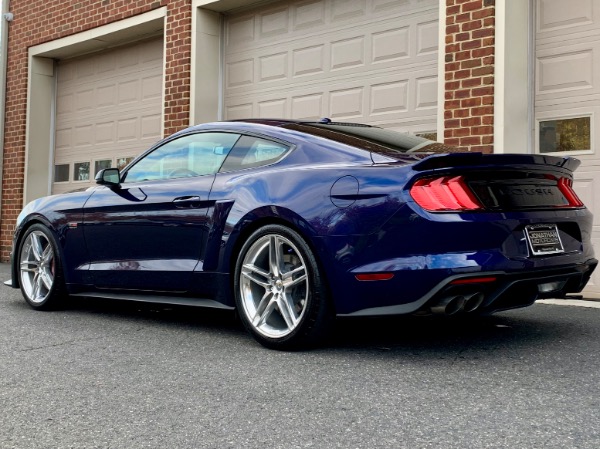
[39,21]
[469,69]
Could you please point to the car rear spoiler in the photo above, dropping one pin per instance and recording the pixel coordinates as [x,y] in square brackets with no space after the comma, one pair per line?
[453,160]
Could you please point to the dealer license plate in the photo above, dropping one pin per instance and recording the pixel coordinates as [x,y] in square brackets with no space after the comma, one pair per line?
[543,239]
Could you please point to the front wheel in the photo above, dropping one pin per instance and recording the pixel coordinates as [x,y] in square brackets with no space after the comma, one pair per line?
[40,270]
[279,291]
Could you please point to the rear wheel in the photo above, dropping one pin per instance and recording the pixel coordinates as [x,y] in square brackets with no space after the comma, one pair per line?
[40,270]
[279,291]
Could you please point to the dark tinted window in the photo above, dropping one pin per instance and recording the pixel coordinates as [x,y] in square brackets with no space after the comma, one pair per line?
[253,152]
[370,138]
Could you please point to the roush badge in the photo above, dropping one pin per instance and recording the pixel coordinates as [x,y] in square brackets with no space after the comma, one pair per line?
[544,239]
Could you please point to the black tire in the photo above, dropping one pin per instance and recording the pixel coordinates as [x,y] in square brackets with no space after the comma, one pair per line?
[39,268]
[280,294]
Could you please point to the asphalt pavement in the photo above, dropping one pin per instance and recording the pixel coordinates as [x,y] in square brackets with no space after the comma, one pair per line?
[104,374]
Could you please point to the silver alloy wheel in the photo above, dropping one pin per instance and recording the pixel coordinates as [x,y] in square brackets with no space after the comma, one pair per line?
[37,267]
[274,286]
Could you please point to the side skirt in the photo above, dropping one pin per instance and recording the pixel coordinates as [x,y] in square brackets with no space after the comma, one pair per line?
[174,300]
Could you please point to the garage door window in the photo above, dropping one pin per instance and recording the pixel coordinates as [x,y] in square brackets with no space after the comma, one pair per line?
[61,173]
[81,171]
[565,135]
[123,162]
[101,165]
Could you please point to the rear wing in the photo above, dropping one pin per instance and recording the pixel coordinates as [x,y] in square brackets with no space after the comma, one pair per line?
[455,160]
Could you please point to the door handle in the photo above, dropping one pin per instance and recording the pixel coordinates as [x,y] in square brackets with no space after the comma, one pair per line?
[187,201]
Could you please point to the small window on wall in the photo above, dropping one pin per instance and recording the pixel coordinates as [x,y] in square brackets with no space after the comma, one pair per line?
[101,165]
[61,173]
[562,135]
[81,171]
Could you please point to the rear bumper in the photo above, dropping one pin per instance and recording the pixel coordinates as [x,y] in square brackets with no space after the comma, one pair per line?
[505,291]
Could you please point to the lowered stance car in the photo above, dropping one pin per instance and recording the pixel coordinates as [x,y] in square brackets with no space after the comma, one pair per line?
[293,223]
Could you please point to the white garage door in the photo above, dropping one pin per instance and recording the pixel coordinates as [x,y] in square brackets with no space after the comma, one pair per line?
[372,61]
[567,96]
[108,109]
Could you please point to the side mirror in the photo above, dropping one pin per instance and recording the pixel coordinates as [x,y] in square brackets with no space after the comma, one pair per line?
[109,177]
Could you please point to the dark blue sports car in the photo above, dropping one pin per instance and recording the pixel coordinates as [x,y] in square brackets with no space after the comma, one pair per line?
[292,223]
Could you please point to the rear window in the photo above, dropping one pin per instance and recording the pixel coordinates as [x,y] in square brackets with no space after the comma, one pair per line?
[376,140]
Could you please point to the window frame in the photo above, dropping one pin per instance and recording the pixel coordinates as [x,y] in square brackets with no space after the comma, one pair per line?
[552,117]
[81,181]
[69,171]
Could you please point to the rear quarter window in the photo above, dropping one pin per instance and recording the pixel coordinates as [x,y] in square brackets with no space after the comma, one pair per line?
[252,151]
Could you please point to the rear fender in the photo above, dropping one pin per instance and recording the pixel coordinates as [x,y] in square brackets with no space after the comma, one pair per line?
[227,234]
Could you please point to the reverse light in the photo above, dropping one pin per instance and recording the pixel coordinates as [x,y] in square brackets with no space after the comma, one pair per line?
[446,193]
[549,287]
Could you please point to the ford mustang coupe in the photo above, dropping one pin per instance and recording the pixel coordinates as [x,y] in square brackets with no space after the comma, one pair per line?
[292,223]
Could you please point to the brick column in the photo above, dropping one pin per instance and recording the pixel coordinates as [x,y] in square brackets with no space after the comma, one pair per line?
[178,63]
[469,74]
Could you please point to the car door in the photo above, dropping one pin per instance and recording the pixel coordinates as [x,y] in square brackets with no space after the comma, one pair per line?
[149,233]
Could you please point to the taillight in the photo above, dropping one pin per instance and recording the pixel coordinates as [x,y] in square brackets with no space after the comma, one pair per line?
[566,187]
[446,193]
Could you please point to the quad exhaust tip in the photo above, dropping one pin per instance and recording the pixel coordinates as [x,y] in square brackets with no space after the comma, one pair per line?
[451,305]
[473,301]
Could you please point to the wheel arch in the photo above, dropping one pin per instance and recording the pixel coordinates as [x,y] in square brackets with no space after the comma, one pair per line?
[20,233]
[292,221]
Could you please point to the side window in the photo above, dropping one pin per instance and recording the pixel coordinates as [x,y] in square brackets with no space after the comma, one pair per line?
[253,152]
[190,155]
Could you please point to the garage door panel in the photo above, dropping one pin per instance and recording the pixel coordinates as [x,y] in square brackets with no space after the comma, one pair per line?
[566,70]
[347,103]
[370,61]
[240,111]
[389,96]
[553,17]
[308,106]
[306,65]
[296,19]
[345,51]
[594,283]
[106,96]
[587,186]
[109,107]
[427,38]
[568,86]
[106,138]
